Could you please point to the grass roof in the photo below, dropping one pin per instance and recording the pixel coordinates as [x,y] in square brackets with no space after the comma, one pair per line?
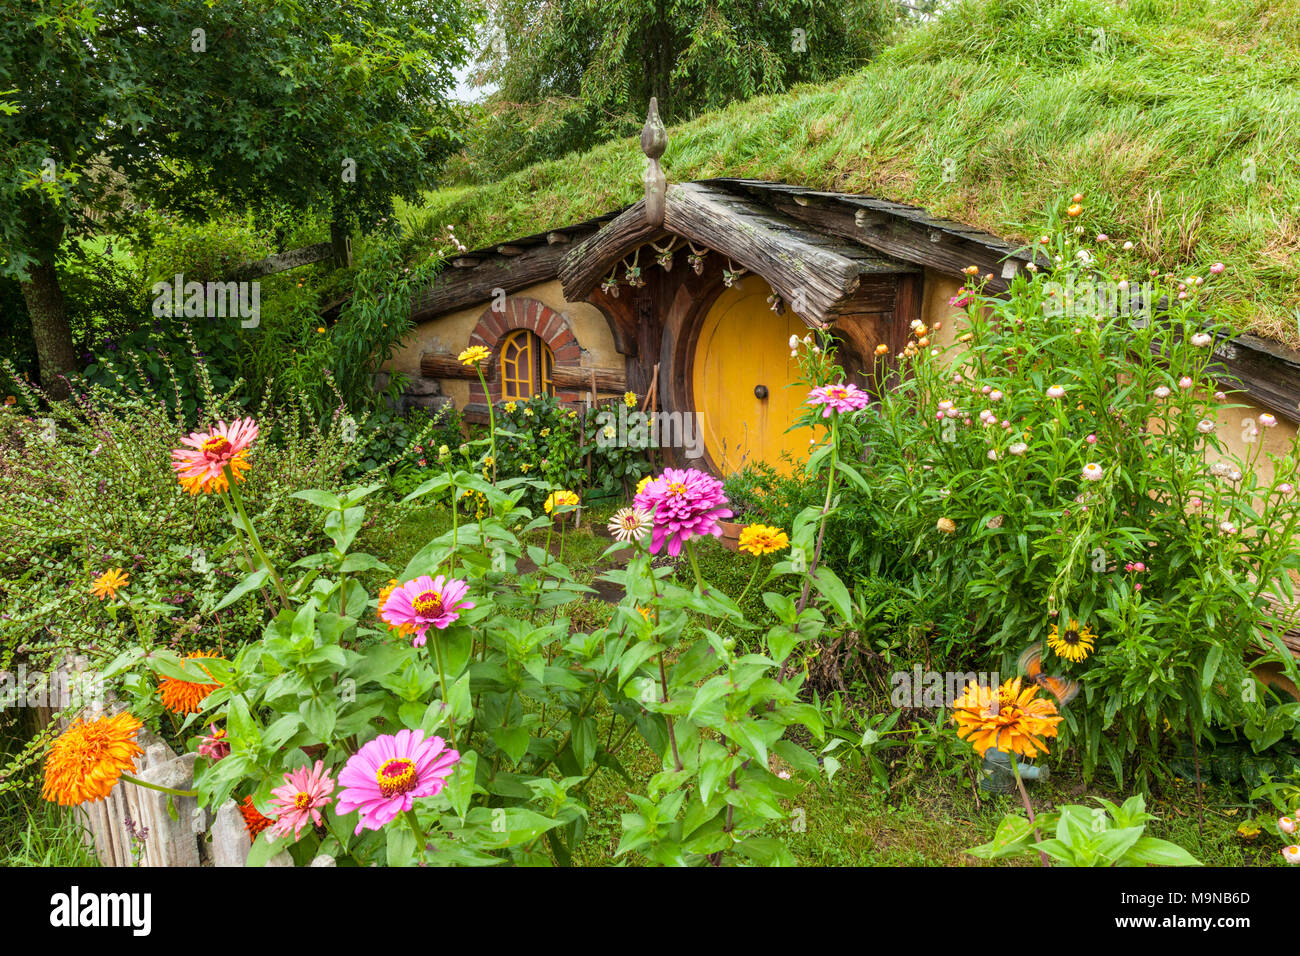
[1178,119]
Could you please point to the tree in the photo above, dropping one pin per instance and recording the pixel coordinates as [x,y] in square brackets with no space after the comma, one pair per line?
[571,73]
[194,105]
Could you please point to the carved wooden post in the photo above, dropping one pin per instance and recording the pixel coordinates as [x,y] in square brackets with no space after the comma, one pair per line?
[654,140]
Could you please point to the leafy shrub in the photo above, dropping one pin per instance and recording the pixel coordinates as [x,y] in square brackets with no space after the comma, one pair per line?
[1067,467]
[87,485]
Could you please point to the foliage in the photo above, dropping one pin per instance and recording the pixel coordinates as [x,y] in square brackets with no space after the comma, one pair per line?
[87,485]
[519,693]
[576,73]
[1116,504]
[1108,835]
[1177,121]
[542,440]
[178,102]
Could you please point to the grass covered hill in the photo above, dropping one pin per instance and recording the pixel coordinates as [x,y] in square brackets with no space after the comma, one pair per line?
[1179,119]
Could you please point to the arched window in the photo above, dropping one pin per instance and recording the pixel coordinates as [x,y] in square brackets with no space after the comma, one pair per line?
[526,363]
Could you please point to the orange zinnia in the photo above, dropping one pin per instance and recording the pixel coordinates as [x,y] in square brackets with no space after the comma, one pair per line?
[109,583]
[254,822]
[184,697]
[384,592]
[89,757]
[1009,719]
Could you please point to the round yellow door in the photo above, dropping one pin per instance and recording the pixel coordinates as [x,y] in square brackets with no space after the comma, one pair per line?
[741,372]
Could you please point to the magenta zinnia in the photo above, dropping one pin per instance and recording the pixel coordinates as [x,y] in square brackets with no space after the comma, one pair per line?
[199,467]
[385,776]
[424,603]
[299,801]
[838,398]
[683,503]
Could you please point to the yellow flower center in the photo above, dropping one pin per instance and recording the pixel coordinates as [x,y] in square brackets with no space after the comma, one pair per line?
[216,446]
[429,603]
[677,488]
[395,776]
[302,801]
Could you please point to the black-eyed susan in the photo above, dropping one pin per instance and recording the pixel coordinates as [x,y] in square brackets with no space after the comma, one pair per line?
[760,539]
[109,583]
[1010,718]
[1072,642]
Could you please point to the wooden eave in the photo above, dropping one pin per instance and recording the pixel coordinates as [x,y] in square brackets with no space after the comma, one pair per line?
[814,273]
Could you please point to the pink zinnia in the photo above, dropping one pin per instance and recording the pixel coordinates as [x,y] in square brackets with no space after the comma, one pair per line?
[385,776]
[214,746]
[684,503]
[838,398]
[424,603]
[300,799]
[199,467]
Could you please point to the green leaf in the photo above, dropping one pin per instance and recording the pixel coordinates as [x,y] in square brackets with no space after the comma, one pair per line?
[254,580]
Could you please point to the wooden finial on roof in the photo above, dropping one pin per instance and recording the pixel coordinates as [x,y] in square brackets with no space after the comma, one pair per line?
[654,140]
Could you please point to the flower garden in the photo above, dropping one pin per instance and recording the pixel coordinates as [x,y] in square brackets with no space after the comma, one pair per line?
[453,658]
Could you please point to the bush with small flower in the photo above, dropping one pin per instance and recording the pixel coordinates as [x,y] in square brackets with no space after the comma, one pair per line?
[1062,473]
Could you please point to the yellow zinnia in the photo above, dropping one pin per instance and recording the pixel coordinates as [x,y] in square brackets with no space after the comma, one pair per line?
[89,757]
[760,539]
[559,499]
[1074,643]
[1010,719]
[629,399]
[474,355]
[109,583]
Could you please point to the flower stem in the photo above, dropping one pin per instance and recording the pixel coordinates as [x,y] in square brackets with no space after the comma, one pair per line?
[159,787]
[253,538]
[695,565]
[442,682]
[1024,799]
[420,840]
[492,421]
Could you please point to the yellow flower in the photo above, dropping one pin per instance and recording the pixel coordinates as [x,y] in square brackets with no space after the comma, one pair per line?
[1074,643]
[629,399]
[89,757]
[558,499]
[109,583]
[573,413]
[474,355]
[1008,719]
[511,406]
[545,432]
[760,539]
[525,467]
[528,412]
[640,485]
[320,329]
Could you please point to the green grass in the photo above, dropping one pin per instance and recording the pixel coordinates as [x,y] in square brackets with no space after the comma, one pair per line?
[1159,129]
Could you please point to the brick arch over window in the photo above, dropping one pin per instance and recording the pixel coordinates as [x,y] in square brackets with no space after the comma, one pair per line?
[524,313]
